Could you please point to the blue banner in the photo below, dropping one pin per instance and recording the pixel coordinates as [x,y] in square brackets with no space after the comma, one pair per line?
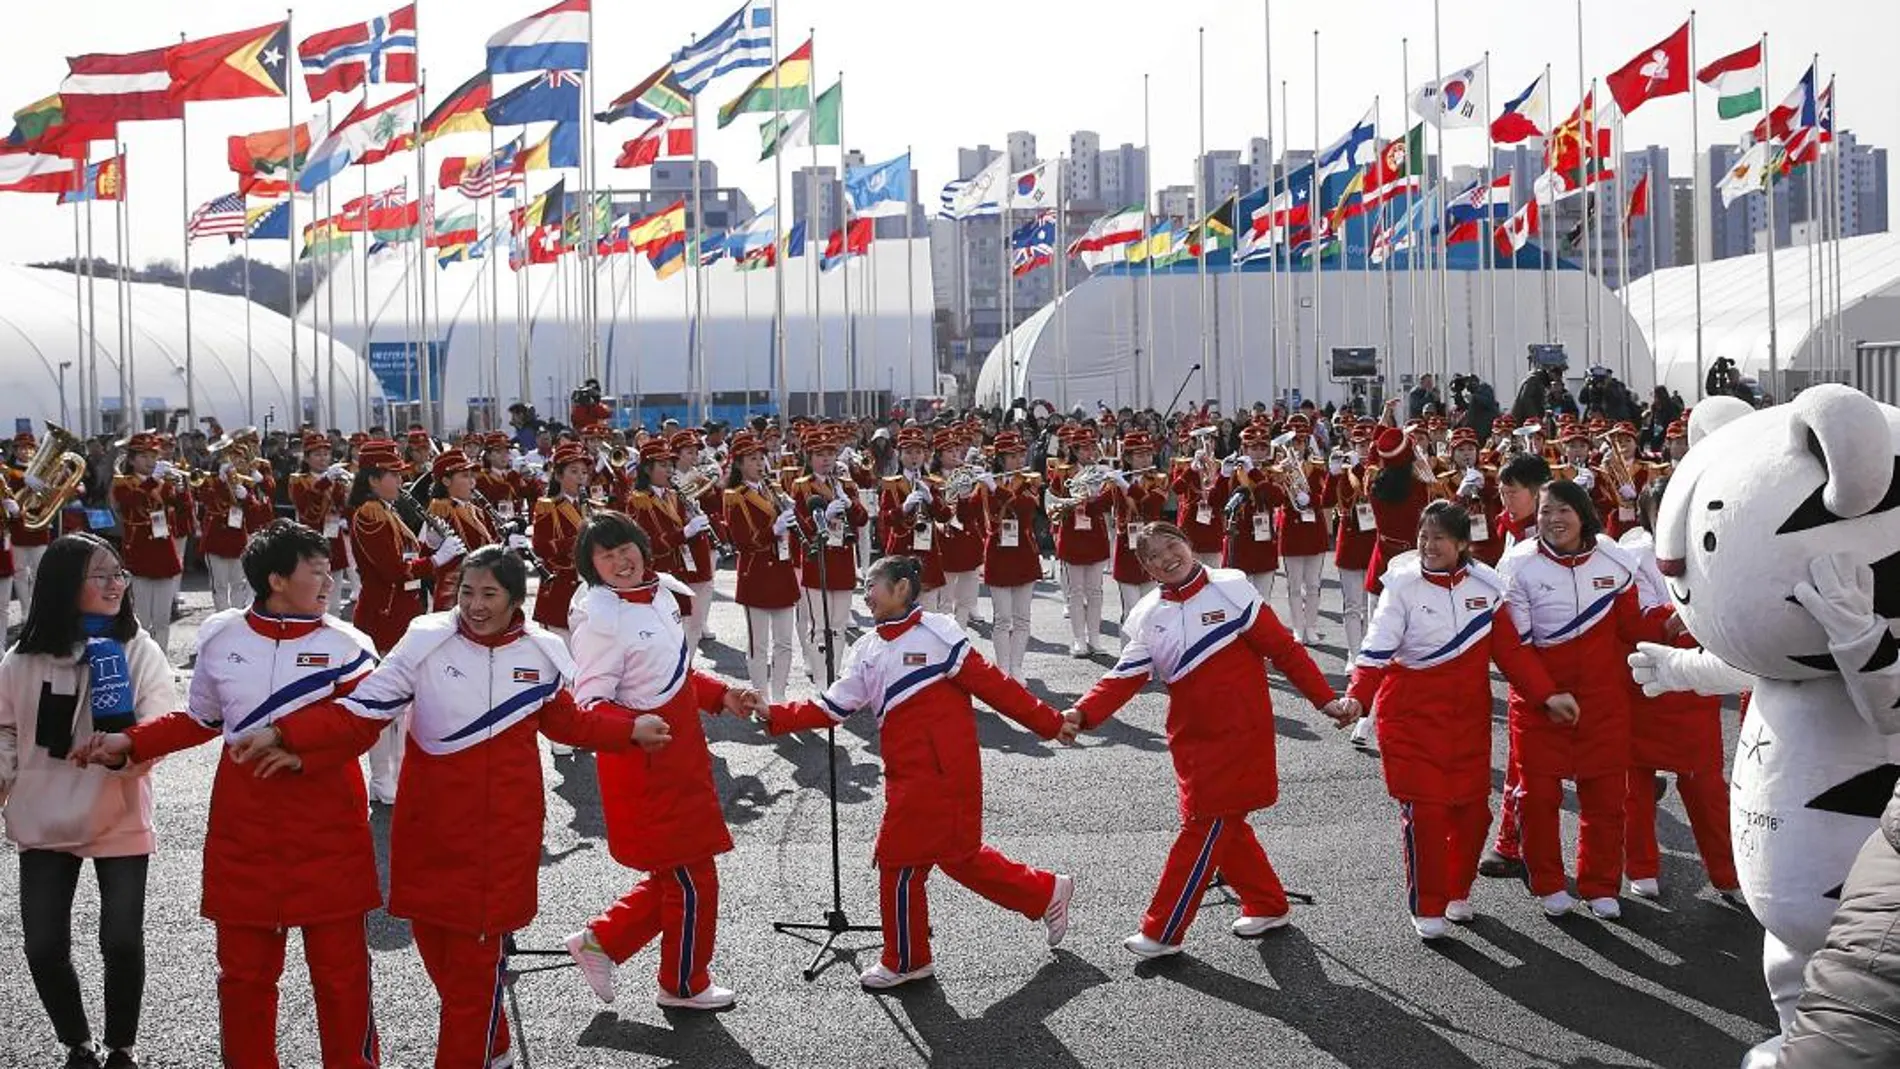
[394,365]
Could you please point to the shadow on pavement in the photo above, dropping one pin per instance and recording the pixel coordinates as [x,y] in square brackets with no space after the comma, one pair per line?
[696,1039]
[1011,1032]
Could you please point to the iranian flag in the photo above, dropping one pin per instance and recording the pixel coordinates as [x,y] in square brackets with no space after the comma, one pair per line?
[1108,237]
[1736,79]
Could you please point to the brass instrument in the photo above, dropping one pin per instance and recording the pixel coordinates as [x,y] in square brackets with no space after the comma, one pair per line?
[58,467]
[239,450]
[1290,472]
[1422,470]
[617,456]
[959,483]
[1616,467]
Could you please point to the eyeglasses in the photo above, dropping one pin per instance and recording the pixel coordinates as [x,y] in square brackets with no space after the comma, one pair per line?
[108,578]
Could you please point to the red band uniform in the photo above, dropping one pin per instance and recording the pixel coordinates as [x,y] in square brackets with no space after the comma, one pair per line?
[146,544]
[836,524]
[462,519]
[1012,561]
[760,521]
[557,523]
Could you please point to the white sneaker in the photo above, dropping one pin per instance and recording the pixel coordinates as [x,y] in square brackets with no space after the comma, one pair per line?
[1607,909]
[1645,888]
[1056,917]
[879,978]
[1252,927]
[1079,649]
[382,793]
[560,749]
[1559,904]
[1431,927]
[713,998]
[1459,911]
[596,967]
[1143,947]
[1362,732]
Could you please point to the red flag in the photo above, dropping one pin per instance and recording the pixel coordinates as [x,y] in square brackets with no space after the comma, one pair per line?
[1463,233]
[463,111]
[132,87]
[231,66]
[544,245]
[669,137]
[1660,71]
[1638,205]
[379,51]
[857,244]
[1518,230]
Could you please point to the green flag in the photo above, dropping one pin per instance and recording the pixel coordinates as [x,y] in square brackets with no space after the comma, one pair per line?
[819,126]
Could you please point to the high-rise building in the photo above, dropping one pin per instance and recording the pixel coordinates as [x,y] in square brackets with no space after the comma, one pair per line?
[1022,151]
[1176,202]
[1682,207]
[1122,176]
[1083,180]
[1222,174]
[1259,163]
[817,201]
[672,180]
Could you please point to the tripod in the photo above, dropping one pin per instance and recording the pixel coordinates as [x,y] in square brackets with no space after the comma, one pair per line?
[835,922]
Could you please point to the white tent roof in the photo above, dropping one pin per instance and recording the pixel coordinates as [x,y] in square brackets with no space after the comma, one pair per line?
[39,331]
[1735,308]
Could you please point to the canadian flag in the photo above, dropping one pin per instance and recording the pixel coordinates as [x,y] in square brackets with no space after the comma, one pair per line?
[1518,230]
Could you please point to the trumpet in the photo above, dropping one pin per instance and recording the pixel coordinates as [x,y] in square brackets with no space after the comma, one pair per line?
[617,457]
[235,449]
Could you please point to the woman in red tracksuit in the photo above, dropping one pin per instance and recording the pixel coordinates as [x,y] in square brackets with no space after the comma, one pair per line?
[662,810]
[917,673]
[1012,562]
[1425,668]
[1204,634]
[465,842]
[1573,597]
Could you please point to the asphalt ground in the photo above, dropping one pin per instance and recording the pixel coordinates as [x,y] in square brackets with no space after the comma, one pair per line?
[1675,983]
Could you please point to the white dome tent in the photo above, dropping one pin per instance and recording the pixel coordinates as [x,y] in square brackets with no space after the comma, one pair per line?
[38,334]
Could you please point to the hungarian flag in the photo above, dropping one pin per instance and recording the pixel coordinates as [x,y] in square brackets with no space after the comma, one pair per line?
[231,66]
[1518,230]
[133,87]
[1525,116]
[42,126]
[667,137]
[1660,71]
[1736,79]
[1638,205]
[461,112]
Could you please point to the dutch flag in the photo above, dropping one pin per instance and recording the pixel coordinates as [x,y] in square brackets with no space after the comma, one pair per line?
[555,39]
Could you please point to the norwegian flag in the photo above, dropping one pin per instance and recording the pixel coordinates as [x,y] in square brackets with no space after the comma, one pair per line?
[377,52]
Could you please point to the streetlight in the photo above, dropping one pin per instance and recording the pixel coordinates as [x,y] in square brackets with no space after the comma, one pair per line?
[63,420]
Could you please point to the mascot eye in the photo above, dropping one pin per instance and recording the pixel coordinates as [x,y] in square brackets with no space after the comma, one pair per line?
[1708,542]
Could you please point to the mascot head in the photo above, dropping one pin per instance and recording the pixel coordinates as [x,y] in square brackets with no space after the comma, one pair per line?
[1758,496]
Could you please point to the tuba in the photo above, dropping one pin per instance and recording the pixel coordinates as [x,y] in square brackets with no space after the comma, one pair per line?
[58,467]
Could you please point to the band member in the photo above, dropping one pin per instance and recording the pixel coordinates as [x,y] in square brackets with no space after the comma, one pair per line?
[1012,562]
[418,448]
[393,565]
[917,672]
[910,506]
[1250,497]
[1301,527]
[452,507]
[699,553]
[1194,484]
[472,808]
[1399,494]
[1426,667]
[1140,503]
[29,543]
[661,808]
[183,514]
[1573,595]
[1520,484]
[656,508]
[964,536]
[320,494]
[1204,634]
[1619,481]
[828,524]
[1355,531]
[557,522]
[760,518]
[142,494]
[236,503]
[257,665]
[496,479]
[1080,525]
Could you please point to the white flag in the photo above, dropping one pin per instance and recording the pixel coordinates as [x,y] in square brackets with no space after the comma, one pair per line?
[1746,175]
[1456,101]
[983,193]
[1034,188]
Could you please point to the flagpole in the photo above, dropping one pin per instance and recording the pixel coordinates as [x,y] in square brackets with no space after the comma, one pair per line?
[780,368]
[1060,254]
[1203,194]
[1768,193]
[128,374]
[1485,234]
[1411,246]
[910,276]
[79,309]
[1839,330]
[1586,131]
[1438,182]
[1314,213]
[184,196]
[1284,235]
[1622,255]
[290,135]
[1147,242]
[329,282]
[633,320]
[1546,261]
[1365,226]
[494,278]
[1008,339]
[1273,252]
[1695,198]
[363,272]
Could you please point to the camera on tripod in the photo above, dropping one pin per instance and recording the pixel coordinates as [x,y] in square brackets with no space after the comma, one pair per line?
[588,393]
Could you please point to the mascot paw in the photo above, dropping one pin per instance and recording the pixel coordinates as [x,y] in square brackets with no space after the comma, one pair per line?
[1657,669]
[1840,596]
[1765,1055]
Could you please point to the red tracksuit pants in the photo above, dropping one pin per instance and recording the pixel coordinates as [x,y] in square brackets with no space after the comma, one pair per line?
[681,907]
[1704,799]
[468,972]
[1226,844]
[906,907]
[1442,843]
[1599,834]
[1510,807]
[250,961]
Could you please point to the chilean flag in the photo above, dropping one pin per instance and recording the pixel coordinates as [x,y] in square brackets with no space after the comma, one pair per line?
[553,40]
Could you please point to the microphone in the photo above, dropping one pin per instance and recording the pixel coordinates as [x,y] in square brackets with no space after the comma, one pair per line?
[816,505]
[1232,507]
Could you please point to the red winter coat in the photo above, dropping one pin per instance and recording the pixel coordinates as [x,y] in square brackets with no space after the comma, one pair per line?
[662,809]
[1262,497]
[766,580]
[1019,497]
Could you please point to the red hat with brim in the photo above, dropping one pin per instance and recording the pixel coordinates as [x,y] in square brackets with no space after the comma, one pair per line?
[382,455]
[912,438]
[1392,444]
[1677,429]
[568,453]
[1464,436]
[1138,441]
[656,449]
[449,463]
[143,442]
[1011,442]
[743,443]
[313,442]
[685,440]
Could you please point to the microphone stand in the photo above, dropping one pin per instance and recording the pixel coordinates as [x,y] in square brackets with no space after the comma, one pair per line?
[1184,385]
[835,922]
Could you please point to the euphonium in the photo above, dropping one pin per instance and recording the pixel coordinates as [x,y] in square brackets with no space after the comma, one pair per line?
[58,467]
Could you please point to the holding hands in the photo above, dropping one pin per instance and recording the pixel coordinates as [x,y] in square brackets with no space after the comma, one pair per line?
[111,750]
[1343,712]
[1071,726]
[264,748]
[1562,709]
[651,732]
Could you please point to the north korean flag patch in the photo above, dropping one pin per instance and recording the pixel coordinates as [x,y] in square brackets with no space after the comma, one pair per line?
[313,660]
[1603,582]
[1477,603]
[527,675]
[913,660]
[1214,617]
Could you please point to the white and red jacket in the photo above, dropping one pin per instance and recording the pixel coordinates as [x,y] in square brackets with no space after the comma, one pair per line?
[465,843]
[917,675]
[1204,640]
[1424,668]
[293,849]
[1580,613]
[662,809]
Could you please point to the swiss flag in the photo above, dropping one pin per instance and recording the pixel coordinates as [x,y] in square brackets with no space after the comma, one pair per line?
[1660,71]
[1518,230]
[668,137]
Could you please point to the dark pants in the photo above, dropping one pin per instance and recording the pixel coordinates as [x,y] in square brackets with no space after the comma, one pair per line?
[1849,1014]
[48,879]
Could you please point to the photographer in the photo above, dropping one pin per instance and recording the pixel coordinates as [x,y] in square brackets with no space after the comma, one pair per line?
[1422,395]
[1723,379]
[1476,404]
[586,406]
[527,426]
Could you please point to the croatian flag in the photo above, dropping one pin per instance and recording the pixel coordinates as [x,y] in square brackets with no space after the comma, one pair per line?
[555,39]
[1479,200]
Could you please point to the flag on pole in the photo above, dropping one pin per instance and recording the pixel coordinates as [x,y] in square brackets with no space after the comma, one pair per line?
[1784,119]
[223,216]
[1353,149]
[1110,242]
[1659,71]
[1032,245]
[1578,153]
[795,240]
[462,228]
[784,88]
[366,135]
[1736,79]
[258,159]
[666,226]
[713,249]
[661,96]
[980,194]
[376,52]
[482,176]
[817,126]
[1525,116]
[1518,231]
[742,39]
[1396,171]
[267,222]
[666,137]
[1034,188]
[231,66]
[34,172]
[854,240]
[1215,230]
[1747,175]
[43,126]
[1456,101]
[133,87]
[1638,204]
[393,197]
[104,180]
[553,96]
[879,189]
[323,239]
[551,40]
[561,148]
[465,111]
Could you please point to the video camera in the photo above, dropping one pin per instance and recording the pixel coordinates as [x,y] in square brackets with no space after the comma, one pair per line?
[587,394]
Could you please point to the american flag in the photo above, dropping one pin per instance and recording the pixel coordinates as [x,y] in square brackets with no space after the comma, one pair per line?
[224,216]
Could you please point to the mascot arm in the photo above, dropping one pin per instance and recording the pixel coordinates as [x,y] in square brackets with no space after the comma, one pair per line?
[1841,599]
[1662,670]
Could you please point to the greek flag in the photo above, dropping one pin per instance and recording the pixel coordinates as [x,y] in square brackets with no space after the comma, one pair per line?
[743,40]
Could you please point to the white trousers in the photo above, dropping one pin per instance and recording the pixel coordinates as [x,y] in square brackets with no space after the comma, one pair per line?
[1302,591]
[26,566]
[960,594]
[1209,560]
[1083,585]
[152,605]
[1130,594]
[937,600]
[1352,609]
[346,589]
[7,586]
[229,588]
[1263,582]
[768,653]
[385,761]
[1009,609]
[812,631]
[696,622]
